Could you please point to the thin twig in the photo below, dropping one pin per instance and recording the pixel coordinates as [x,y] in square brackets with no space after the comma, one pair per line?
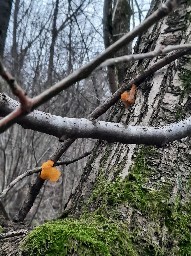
[148,55]
[37,170]
[74,160]
[19,178]
[102,108]
[25,101]
[13,233]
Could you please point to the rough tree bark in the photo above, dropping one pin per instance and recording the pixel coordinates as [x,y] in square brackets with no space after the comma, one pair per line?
[145,190]
[153,197]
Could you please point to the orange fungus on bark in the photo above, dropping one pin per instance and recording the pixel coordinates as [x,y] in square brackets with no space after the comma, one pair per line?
[49,172]
[128,98]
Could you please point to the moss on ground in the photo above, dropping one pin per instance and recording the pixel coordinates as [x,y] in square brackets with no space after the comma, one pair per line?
[89,235]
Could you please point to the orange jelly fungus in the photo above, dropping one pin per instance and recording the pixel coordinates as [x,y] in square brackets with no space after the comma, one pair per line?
[49,172]
[128,98]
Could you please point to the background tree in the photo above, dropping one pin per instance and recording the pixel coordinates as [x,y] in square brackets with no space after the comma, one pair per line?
[5,13]
[31,44]
[147,188]
[116,22]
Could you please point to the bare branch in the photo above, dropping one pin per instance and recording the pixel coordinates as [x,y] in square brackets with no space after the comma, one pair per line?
[147,55]
[112,132]
[14,233]
[37,170]
[74,160]
[29,200]
[100,110]
[85,71]
[19,178]
[13,108]
[16,90]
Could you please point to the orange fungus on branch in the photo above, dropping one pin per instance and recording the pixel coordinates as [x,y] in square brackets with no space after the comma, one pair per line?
[49,172]
[128,98]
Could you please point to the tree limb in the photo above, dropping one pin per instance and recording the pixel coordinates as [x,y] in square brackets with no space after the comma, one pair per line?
[148,55]
[25,101]
[86,70]
[13,233]
[112,132]
[37,170]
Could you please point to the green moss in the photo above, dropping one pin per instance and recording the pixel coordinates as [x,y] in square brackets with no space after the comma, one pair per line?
[156,206]
[153,204]
[185,77]
[167,229]
[1,229]
[178,222]
[179,113]
[132,189]
[90,235]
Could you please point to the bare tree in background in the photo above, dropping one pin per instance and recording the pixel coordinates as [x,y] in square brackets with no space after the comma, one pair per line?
[5,13]
[38,35]
[116,22]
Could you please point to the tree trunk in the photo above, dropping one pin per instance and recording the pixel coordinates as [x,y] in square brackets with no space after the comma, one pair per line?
[134,200]
[116,22]
[54,33]
[148,188]
[5,13]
